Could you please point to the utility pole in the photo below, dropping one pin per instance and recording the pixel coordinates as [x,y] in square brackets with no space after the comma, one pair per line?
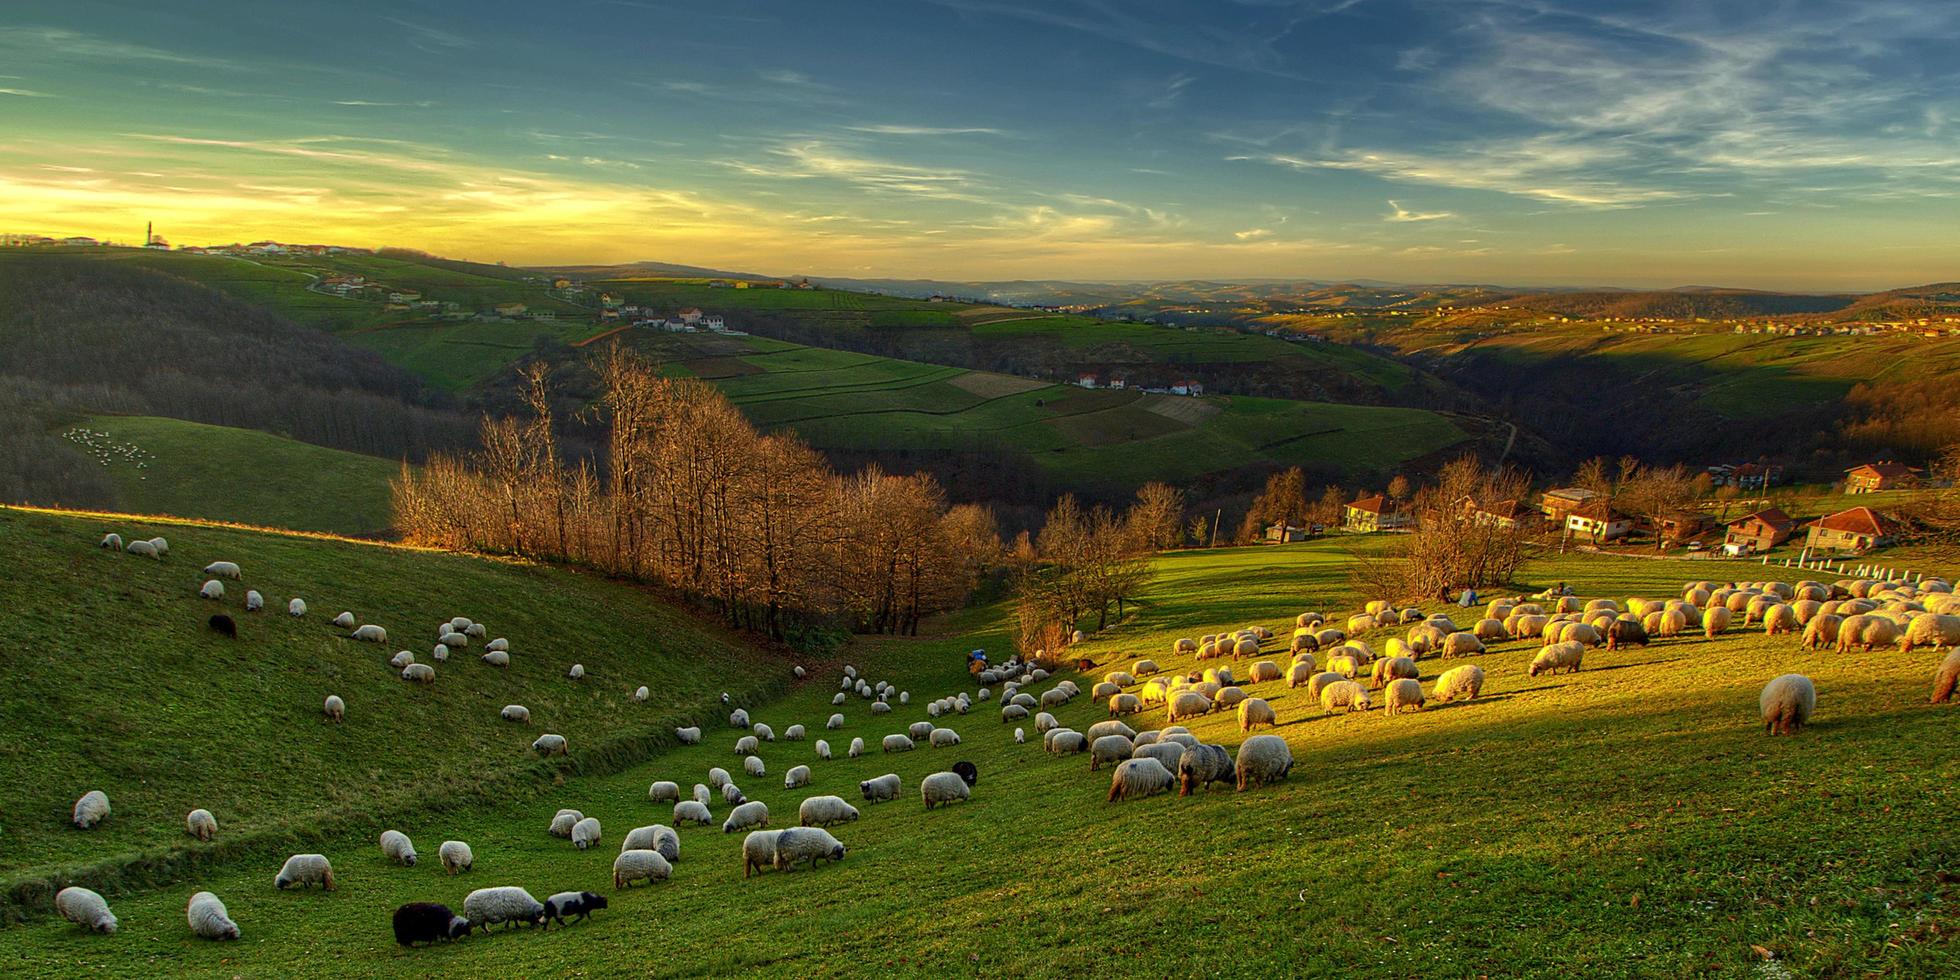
[1215,518]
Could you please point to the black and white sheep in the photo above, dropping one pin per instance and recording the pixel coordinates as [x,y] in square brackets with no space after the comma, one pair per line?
[296,608]
[428,922]
[578,904]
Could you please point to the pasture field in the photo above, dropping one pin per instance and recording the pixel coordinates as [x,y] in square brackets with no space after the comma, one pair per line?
[193,470]
[1628,820]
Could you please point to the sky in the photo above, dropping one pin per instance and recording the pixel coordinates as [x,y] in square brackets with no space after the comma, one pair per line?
[1786,144]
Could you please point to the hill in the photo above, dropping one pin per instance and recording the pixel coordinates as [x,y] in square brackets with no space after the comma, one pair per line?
[218,473]
[124,688]
[1636,804]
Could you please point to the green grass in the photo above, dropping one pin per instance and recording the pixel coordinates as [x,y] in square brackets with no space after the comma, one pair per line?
[1628,820]
[116,683]
[218,473]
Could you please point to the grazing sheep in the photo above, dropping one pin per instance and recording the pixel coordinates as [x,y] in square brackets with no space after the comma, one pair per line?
[1138,778]
[112,541]
[1930,630]
[754,813]
[1625,633]
[486,907]
[1714,620]
[209,919]
[1165,752]
[824,811]
[212,589]
[1873,631]
[1109,748]
[1101,728]
[223,569]
[580,904]
[1402,694]
[814,844]
[90,809]
[1199,765]
[664,791]
[1787,703]
[563,821]
[795,733]
[419,673]
[764,732]
[577,672]
[1012,713]
[1392,668]
[335,708]
[690,735]
[942,738]
[758,851]
[1302,672]
[1020,736]
[654,837]
[1946,677]
[1255,711]
[496,658]
[550,745]
[942,788]
[1321,681]
[1564,656]
[1263,671]
[1461,645]
[254,601]
[880,789]
[86,909]
[747,745]
[369,633]
[836,721]
[440,654]
[1821,631]
[396,847]
[702,794]
[497,644]
[692,811]
[641,693]
[145,549]
[732,794]
[517,713]
[586,833]
[1105,690]
[856,749]
[1780,618]
[402,658]
[428,922]
[1490,630]
[1460,683]
[1344,694]
[1189,704]
[304,870]
[343,621]
[201,824]
[224,626]
[739,718]
[1124,704]
[1062,741]
[1262,761]
[456,857]
[798,776]
[898,743]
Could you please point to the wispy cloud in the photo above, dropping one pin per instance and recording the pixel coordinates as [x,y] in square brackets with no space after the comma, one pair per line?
[1253,234]
[1542,169]
[894,129]
[1399,213]
[25,93]
[432,40]
[818,159]
[75,44]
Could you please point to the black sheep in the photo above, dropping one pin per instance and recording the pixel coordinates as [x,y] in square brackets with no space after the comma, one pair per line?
[427,922]
[1625,633]
[223,625]
[581,904]
[967,771]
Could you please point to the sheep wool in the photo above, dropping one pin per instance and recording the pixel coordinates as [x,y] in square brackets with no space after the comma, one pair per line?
[550,745]
[1189,704]
[880,789]
[223,569]
[1930,630]
[1138,778]
[1302,672]
[856,749]
[1460,683]
[495,658]
[1946,677]
[370,633]
[440,654]
[813,844]
[344,621]
[112,541]
[942,788]
[201,824]
[577,672]
[145,549]
[640,865]
[579,904]
[797,776]
[1062,741]
[702,794]
[1200,765]
[692,812]
[1344,694]
[1109,749]
[516,713]
[823,749]
[213,589]
[1164,752]
[86,909]
[456,856]
[208,918]
[754,813]
[747,744]
[898,743]
[654,837]
[1262,761]
[305,870]
[688,736]
[1403,694]
[586,833]
[1254,712]
[738,718]
[497,644]
[942,738]
[563,821]
[486,907]
[1787,704]
[91,809]
[824,811]
[396,846]
[1565,656]
[335,709]
[254,601]
[1714,620]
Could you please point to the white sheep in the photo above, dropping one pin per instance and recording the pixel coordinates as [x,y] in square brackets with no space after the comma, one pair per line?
[254,601]
[764,732]
[758,851]
[457,640]
[549,745]
[296,608]
[798,776]
[344,621]
[304,870]
[857,748]
[91,809]
[145,549]
[223,569]
[1787,704]
[517,713]
[718,777]
[335,708]
[738,718]
[370,633]
[396,847]
[440,654]
[456,856]
[835,722]
[732,794]
[753,766]
[942,738]
[401,659]
[898,743]
[161,545]
[754,813]
[112,541]
[664,791]
[497,644]
[1459,683]
[692,811]
[1110,749]
[486,907]
[880,789]
[495,658]
[640,864]
[1403,694]
[942,788]
[1137,778]
[690,735]
[201,824]
[208,918]
[1255,711]
[1262,760]
[823,811]
[577,672]
[86,909]
[586,833]
[659,838]
[563,821]
[747,745]
[814,844]
[702,794]
[212,589]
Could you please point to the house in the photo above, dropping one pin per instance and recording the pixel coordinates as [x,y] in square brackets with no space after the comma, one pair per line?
[1188,387]
[510,309]
[1504,514]
[610,301]
[714,322]
[691,316]
[1683,525]
[1086,380]
[1373,513]
[1882,475]
[1556,504]
[1286,533]
[1761,531]
[1745,476]
[1598,521]
[1117,383]
[1857,529]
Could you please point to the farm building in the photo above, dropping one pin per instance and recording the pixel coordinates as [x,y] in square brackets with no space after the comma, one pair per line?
[1598,522]
[1856,529]
[1558,503]
[1761,531]
[1882,475]
[1374,513]
[1286,533]
[1504,514]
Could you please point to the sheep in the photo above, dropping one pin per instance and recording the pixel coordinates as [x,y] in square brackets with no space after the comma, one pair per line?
[1557,657]
[1625,633]
[112,541]
[1821,631]
[223,569]
[1946,677]
[476,630]
[1302,672]
[798,776]
[1101,728]
[1164,752]
[942,788]
[86,909]
[1199,765]
[655,837]
[550,745]
[1144,668]
[1344,694]
[747,745]
[764,732]
[1262,761]
[427,922]
[304,870]
[880,789]
[1344,665]
[369,633]
[824,811]
[1714,620]
[1138,778]
[580,904]
[856,749]
[758,851]
[1402,695]
[1461,645]
[515,713]
[795,733]
[1390,669]
[1930,630]
[496,658]
[201,824]
[835,722]
[1787,704]
[702,794]
[334,708]
[754,813]
[738,718]
[1463,683]
[577,672]
[1873,631]
[497,644]
[1780,618]
[1109,748]
[456,857]
[943,738]
[402,658]
[486,907]
[805,843]
[212,589]
[692,811]
[1020,736]
[1426,639]
[1263,671]
[396,847]
[898,743]
[1063,741]
[586,832]
[563,821]
[1124,704]
[343,621]
[440,654]
[1255,711]
[90,809]
[1321,681]
[1054,698]
[732,794]
[1490,630]
[1189,704]
[1012,713]
[254,601]
[1105,690]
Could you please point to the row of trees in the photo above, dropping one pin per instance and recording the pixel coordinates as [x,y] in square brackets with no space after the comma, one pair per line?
[1085,562]
[690,495]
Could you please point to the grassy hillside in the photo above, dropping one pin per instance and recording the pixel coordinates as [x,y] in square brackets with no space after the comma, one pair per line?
[1633,810]
[187,469]
[125,689]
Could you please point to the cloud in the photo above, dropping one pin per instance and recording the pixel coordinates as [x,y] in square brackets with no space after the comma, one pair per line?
[25,93]
[1402,214]
[363,103]
[433,40]
[1253,234]
[892,129]
[816,159]
[74,44]
[1544,169]
[1173,91]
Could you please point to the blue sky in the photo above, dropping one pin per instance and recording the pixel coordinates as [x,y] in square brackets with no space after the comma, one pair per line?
[1800,144]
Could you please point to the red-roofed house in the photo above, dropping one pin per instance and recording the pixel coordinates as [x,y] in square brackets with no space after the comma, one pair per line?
[1882,475]
[1558,503]
[1761,531]
[1599,522]
[1857,529]
[1373,513]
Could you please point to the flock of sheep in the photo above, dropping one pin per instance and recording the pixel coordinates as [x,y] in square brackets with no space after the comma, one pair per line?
[104,449]
[1849,613]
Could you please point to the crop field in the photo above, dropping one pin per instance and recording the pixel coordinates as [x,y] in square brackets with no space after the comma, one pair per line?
[192,470]
[1636,804]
